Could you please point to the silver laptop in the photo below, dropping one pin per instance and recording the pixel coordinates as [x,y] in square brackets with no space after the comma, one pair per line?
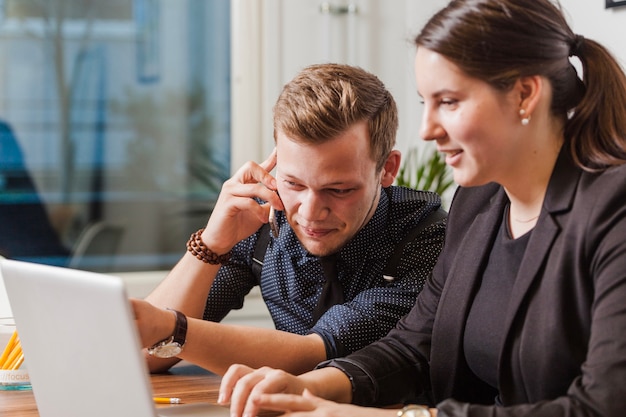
[81,344]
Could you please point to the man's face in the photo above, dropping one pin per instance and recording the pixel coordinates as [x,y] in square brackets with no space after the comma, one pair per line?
[329,190]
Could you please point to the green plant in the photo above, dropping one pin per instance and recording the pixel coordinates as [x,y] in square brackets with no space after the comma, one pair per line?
[425,170]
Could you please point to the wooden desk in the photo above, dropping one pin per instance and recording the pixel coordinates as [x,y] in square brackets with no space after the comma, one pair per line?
[189,383]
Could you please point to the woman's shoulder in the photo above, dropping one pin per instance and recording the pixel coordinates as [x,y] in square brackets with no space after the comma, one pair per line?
[475,199]
[609,183]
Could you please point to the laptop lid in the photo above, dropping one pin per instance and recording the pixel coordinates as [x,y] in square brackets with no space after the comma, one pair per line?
[81,345]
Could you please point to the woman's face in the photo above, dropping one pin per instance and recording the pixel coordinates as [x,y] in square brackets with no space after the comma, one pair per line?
[476,127]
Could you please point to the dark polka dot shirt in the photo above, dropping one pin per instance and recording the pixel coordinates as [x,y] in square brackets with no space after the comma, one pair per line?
[291,280]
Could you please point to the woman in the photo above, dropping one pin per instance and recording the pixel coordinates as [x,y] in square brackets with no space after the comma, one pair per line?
[525,313]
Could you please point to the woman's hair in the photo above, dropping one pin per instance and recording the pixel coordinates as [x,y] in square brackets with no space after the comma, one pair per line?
[498,41]
[325,100]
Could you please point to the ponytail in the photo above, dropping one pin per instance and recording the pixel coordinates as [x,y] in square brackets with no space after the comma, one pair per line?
[596,132]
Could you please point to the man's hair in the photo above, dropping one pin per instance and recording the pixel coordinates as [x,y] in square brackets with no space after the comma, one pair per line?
[325,100]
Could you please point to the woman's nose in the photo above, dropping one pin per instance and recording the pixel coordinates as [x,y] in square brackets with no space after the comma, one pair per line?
[430,128]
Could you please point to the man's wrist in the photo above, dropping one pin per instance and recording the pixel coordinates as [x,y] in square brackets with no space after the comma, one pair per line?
[196,246]
[212,240]
[172,345]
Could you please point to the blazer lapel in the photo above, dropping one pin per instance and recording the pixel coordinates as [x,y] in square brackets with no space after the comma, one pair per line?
[559,199]
[463,279]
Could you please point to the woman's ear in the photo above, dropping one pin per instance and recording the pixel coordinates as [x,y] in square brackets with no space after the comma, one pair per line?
[530,90]
[390,169]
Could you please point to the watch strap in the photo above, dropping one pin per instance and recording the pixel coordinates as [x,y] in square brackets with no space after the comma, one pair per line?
[176,340]
[180,328]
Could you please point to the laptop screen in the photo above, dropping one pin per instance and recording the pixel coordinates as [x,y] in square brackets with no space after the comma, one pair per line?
[80,343]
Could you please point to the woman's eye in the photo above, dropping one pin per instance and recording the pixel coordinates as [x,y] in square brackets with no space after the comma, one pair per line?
[448,102]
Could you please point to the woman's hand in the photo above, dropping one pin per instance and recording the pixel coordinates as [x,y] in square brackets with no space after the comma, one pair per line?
[308,404]
[243,386]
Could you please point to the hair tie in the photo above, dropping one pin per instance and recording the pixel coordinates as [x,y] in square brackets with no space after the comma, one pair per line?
[576,45]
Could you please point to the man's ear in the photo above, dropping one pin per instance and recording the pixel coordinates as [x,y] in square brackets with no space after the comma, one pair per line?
[390,169]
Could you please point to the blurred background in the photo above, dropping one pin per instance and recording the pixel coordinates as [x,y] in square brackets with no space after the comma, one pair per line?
[120,119]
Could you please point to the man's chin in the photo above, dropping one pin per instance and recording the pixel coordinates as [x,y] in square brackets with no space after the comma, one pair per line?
[320,249]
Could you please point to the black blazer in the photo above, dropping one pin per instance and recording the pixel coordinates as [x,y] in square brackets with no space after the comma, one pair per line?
[565,347]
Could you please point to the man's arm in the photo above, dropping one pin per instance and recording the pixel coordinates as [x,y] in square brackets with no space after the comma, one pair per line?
[184,289]
[216,346]
[235,217]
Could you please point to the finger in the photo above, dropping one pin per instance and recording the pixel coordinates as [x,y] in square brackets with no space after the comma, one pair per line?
[242,389]
[308,394]
[264,381]
[229,380]
[256,190]
[268,165]
[253,172]
[284,402]
[270,162]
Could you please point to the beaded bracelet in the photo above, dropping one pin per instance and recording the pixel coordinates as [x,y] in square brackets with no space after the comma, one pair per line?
[196,246]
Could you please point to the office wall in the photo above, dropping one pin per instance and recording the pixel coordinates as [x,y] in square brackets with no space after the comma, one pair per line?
[282,36]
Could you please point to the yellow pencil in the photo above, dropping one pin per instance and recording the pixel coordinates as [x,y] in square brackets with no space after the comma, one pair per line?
[163,400]
[15,353]
[17,362]
[8,349]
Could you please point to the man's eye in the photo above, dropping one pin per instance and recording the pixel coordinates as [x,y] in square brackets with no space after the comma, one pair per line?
[340,191]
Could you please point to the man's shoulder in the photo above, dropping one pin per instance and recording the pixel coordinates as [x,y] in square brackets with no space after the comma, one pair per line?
[409,209]
[410,205]
[410,196]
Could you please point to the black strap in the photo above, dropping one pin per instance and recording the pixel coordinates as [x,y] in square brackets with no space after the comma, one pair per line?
[391,269]
[259,251]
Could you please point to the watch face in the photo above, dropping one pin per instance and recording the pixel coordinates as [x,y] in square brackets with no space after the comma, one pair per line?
[414,411]
[417,413]
[168,350]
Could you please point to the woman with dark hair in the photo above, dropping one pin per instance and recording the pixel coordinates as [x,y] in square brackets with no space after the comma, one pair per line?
[525,312]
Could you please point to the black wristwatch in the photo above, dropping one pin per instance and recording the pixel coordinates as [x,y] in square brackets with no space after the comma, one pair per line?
[173,345]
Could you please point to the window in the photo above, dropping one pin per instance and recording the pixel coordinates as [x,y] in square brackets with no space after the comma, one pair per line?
[114,128]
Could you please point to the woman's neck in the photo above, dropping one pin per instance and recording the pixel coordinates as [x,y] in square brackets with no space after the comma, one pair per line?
[527,188]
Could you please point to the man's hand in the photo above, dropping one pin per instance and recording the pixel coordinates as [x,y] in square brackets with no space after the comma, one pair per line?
[236,215]
[154,324]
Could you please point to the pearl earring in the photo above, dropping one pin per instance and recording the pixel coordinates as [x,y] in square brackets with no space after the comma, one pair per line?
[525,120]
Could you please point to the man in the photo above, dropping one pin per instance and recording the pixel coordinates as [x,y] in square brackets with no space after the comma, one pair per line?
[334,129]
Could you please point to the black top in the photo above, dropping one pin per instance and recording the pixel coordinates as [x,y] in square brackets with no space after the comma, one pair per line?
[485,330]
